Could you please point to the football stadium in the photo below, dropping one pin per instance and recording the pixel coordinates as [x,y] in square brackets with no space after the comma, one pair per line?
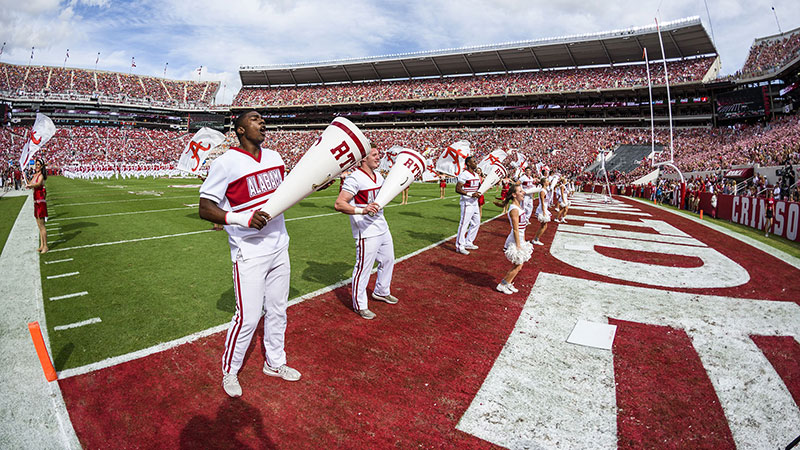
[320,264]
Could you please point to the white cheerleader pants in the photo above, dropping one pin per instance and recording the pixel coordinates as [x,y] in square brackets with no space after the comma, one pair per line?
[469,224]
[368,250]
[261,287]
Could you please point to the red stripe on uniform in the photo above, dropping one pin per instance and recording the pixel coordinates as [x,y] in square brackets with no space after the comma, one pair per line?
[352,135]
[239,317]
[360,264]
[664,395]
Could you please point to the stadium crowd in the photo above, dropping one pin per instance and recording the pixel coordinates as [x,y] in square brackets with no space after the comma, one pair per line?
[76,83]
[686,71]
[571,149]
[769,54]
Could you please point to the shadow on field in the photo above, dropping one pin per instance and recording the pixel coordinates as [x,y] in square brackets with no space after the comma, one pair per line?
[234,417]
[410,213]
[424,237]
[470,276]
[325,272]
[75,226]
[60,360]
[227,302]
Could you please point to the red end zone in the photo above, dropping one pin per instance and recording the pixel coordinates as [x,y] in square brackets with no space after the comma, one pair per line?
[407,378]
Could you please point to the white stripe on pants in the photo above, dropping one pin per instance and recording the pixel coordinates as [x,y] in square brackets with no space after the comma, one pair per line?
[368,250]
[261,287]
[468,226]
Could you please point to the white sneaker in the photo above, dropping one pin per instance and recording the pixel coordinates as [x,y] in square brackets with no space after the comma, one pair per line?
[504,289]
[284,371]
[511,288]
[230,382]
[563,220]
[390,299]
[537,242]
[471,247]
[365,313]
[462,251]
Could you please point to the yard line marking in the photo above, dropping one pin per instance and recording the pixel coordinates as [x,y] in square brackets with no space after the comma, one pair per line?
[124,201]
[63,275]
[61,297]
[118,214]
[58,261]
[596,225]
[102,244]
[115,360]
[77,324]
[57,241]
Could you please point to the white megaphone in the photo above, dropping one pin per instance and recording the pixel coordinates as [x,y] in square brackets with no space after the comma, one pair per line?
[341,146]
[408,165]
[494,174]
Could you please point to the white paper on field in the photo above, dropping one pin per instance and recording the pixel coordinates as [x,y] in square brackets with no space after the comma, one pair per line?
[592,334]
[580,248]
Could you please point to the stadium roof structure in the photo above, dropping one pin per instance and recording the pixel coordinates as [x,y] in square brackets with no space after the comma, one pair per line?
[682,38]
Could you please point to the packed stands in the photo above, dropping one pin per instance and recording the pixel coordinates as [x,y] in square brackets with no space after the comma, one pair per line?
[685,71]
[77,84]
[771,53]
[570,149]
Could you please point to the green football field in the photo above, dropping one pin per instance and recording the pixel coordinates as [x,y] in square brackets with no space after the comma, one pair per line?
[135,255]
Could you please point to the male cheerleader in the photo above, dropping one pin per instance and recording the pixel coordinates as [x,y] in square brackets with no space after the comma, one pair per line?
[528,183]
[371,232]
[467,186]
[238,183]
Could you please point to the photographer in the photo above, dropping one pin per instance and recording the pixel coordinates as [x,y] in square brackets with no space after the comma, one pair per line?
[787,179]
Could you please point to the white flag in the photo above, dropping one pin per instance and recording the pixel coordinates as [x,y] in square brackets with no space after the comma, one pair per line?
[451,161]
[520,164]
[496,157]
[198,148]
[430,173]
[388,158]
[43,129]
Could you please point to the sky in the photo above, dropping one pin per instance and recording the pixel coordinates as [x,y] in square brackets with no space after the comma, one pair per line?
[220,36]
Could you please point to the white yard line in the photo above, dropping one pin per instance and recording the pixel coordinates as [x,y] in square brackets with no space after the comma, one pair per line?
[77,324]
[219,328]
[118,214]
[61,297]
[70,274]
[102,244]
[58,261]
[123,201]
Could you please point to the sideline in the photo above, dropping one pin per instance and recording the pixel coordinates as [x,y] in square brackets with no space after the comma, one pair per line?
[770,250]
[32,411]
[115,360]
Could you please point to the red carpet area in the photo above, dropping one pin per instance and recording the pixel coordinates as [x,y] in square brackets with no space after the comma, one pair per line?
[457,364]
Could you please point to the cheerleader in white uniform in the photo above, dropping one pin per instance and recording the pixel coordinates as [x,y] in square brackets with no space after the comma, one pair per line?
[516,249]
[542,213]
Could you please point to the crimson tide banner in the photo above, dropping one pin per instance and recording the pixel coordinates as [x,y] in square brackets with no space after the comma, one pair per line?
[749,211]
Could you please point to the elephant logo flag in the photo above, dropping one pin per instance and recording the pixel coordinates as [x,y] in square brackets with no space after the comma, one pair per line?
[495,158]
[451,161]
[198,148]
[43,129]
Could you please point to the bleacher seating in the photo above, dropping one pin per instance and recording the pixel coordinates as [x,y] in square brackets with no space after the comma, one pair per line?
[772,53]
[77,83]
[687,71]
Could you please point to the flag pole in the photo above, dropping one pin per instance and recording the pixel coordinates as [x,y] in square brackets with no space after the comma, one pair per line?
[669,99]
[652,119]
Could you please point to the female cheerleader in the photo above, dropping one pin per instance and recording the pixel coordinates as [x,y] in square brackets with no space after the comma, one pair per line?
[40,202]
[542,213]
[516,249]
